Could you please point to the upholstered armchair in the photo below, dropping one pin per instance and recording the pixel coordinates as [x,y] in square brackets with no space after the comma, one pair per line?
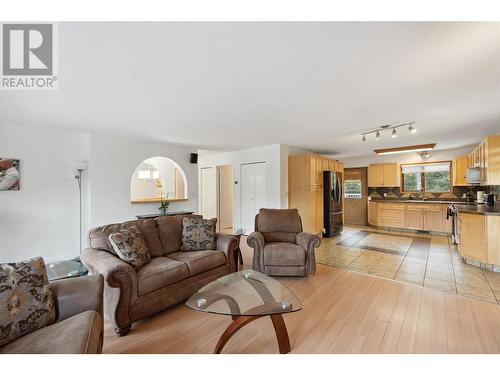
[280,246]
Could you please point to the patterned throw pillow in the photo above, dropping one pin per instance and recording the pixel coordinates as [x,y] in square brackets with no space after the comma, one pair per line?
[198,234]
[26,302]
[130,246]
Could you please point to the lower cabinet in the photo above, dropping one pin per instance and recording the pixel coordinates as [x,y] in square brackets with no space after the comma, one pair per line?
[472,236]
[415,216]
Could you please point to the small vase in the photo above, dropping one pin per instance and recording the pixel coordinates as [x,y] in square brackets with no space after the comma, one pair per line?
[163,211]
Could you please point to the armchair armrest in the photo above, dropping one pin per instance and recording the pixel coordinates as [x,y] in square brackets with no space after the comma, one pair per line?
[308,241]
[77,295]
[120,286]
[257,242]
[114,270]
[229,245]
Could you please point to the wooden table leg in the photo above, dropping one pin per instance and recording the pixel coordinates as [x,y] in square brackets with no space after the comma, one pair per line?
[241,321]
[281,333]
[237,323]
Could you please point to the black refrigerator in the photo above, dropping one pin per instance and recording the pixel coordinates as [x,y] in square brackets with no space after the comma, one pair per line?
[333,203]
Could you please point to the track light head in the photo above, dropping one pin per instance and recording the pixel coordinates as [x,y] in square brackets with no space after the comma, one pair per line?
[394,133]
[377,136]
[412,129]
[363,138]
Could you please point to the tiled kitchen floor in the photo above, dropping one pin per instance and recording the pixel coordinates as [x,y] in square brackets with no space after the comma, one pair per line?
[419,259]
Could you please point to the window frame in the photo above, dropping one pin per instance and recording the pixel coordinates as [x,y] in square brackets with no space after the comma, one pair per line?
[422,177]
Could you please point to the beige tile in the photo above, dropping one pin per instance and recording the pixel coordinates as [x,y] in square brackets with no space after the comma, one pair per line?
[497,295]
[409,277]
[365,268]
[494,281]
[445,276]
[482,293]
[385,273]
[445,286]
[389,242]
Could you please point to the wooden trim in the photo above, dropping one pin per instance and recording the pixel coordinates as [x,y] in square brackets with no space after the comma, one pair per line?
[157,200]
[404,148]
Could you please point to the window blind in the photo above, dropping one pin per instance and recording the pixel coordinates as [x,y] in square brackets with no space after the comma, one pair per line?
[422,168]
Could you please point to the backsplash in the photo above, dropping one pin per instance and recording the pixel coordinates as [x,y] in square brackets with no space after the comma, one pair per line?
[457,192]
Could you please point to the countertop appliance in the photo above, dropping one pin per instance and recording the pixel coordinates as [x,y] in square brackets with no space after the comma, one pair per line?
[473,175]
[452,214]
[333,203]
[490,199]
[480,197]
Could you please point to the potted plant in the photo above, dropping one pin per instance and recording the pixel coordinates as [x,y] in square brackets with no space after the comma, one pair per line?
[164,203]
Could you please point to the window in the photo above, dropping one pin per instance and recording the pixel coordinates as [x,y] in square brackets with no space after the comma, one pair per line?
[352,189]
[431,178]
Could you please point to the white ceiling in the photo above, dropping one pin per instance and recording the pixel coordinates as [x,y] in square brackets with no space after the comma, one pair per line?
[229,86]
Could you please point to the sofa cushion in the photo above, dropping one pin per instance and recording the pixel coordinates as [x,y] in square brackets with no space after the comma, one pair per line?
[159,273]
[78,334]
[284,254]
[170,231]
[26,301]
[200,261]
[130,246]
[98,238]
[198,234]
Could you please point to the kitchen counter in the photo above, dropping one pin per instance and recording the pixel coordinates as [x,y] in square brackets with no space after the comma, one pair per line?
[395,200]
[479,209]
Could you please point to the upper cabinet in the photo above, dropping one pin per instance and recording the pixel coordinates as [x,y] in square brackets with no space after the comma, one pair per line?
[460,171]
[486,157]
[383,175]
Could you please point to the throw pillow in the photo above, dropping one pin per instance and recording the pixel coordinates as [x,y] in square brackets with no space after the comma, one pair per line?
[130,246]
[198,234]
[26,302]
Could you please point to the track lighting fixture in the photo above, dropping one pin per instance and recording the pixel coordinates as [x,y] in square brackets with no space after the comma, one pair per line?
[394,133]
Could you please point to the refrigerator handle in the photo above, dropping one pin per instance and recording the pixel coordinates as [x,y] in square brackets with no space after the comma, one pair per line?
[339,191]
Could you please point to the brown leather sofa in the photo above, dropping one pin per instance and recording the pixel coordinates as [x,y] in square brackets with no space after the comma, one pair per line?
[170,277]
[280,246]
[79,325]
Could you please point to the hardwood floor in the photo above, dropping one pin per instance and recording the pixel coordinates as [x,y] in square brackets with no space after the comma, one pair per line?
[344,312]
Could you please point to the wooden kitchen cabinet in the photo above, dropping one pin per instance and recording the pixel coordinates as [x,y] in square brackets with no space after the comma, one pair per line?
[383,175]
[392,215]
[305,187]
[414,217]
[486,157]
[460,171]
[472,236]
[478,237]
[433,219]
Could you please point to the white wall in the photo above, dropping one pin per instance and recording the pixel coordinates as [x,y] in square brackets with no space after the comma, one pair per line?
[270,154]
[42,217]
[440,155]
[113,160]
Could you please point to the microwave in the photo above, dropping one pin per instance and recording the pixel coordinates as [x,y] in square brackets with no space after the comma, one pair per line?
[473,175]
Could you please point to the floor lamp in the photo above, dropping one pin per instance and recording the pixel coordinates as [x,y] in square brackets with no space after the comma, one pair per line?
[79,167]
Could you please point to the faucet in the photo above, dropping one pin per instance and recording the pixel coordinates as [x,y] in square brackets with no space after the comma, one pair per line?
[423,196]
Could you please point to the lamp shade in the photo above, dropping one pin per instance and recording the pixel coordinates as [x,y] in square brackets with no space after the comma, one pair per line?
[80,165]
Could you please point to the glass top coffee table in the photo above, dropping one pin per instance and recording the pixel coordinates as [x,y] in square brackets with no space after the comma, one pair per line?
[246,296]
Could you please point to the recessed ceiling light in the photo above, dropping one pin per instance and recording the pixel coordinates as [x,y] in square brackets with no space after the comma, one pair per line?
[399,150]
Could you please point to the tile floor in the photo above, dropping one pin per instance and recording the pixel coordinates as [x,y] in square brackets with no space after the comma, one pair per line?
[419,259]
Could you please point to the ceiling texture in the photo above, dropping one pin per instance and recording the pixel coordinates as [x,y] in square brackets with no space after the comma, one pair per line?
[228,86]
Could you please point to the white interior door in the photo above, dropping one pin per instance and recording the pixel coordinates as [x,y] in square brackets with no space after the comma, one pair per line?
[208,177]
[253,193]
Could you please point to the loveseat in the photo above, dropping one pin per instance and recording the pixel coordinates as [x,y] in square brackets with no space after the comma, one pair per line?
[171,276]
[79,321]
